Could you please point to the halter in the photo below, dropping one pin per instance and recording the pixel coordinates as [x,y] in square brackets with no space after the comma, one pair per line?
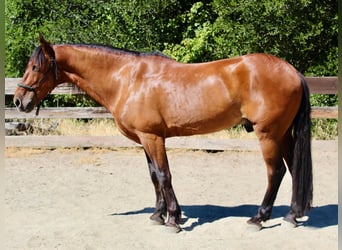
[53,64]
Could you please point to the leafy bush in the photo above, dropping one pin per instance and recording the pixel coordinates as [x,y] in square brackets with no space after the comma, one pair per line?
[301,32]
[137,25]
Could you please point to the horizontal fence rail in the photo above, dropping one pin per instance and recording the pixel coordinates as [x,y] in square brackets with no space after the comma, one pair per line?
[317,85]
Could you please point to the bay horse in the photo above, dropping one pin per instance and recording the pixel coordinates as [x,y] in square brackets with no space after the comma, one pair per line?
[153,97]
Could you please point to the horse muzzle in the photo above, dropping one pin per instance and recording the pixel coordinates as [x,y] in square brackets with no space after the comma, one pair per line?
[25,103]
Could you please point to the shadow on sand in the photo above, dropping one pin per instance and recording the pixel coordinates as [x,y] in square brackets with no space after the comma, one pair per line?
[319,217]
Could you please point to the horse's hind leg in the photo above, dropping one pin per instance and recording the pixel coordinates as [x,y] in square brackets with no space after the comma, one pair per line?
[159,169]
[287,149]
[275,172]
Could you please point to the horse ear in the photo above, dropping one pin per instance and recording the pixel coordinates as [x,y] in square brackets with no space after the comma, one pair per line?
[42,40]
[46,46]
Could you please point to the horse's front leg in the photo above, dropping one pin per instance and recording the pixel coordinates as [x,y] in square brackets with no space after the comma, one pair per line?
[154,147]
[160,211]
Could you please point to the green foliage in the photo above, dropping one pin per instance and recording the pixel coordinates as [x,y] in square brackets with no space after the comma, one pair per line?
[80,100]
[319,100]
[138,25]
[195,46]
[324,129]
[302,32]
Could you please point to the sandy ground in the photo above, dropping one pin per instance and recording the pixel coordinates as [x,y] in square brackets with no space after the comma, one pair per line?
[102,199]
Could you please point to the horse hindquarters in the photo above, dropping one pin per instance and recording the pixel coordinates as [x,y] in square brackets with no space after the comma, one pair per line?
[295,148]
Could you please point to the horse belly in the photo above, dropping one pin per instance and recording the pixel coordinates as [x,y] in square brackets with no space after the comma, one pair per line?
[201,116]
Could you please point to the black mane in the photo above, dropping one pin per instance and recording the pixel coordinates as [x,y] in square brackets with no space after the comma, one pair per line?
[39,57]
[116,50]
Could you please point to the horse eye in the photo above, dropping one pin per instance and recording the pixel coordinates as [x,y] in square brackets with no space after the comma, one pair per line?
[35,68]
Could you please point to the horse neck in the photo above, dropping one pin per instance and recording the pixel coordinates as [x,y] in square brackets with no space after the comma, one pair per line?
[97,73]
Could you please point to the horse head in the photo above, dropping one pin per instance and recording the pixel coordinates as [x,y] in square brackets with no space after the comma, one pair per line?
[39,79]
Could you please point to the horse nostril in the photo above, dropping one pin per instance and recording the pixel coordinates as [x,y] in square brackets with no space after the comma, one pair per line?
[17,102]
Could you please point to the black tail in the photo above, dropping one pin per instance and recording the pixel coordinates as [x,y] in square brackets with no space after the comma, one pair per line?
[302,162]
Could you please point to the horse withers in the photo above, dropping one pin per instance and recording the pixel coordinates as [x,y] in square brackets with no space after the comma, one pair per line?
[153,97]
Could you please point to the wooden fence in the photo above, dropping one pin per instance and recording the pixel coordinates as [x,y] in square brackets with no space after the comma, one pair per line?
[317,85]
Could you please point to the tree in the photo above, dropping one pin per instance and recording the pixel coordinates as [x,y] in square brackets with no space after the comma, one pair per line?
[301,32]
[137,25]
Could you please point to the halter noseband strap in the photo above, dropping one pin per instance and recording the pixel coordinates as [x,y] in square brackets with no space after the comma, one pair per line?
[54,65]
[28,88]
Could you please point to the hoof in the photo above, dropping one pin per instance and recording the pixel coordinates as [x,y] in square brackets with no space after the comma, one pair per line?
[157,219]
[172,228]
[253,226]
